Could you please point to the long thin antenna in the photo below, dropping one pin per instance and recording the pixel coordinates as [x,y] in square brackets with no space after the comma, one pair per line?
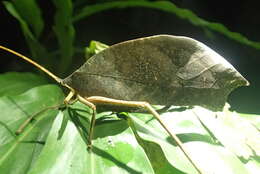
[59,80]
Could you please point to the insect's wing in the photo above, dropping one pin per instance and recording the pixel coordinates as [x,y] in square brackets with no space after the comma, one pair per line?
[162,70]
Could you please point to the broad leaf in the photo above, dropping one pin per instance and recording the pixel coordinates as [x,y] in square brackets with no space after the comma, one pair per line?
[18,153]
[124,143]
[233,132]
[13,83]
[253,119]
[204,149]
[114,150]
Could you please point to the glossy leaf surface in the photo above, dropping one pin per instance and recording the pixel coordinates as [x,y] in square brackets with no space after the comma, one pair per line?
[18,153]
[14,83]
[115,149]
[124,143]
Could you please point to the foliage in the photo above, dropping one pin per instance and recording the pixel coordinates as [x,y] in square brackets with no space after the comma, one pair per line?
[68,13]
[123,142]
[56,138]
[14,83]
[169,7]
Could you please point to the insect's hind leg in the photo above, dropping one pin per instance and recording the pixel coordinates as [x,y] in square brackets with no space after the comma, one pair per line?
[103,100]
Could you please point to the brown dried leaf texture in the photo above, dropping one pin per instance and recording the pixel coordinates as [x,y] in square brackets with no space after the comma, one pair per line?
[162,70]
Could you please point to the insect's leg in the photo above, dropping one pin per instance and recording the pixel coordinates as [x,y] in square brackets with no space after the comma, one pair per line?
[67,100]
[149,108]
[93,118]
[28,120]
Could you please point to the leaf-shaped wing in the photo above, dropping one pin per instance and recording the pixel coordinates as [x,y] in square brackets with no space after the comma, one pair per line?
[162,69]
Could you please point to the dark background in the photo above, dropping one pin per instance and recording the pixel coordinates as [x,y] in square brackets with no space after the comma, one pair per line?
[123,24]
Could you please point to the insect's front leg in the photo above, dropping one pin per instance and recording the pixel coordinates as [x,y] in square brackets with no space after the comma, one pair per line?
[67,100]
[70,100]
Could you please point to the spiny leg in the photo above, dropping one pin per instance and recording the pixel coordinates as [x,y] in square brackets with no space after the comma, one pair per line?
[149,108]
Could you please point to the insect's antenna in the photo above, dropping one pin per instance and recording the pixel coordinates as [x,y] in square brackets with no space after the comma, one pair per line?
[59,80]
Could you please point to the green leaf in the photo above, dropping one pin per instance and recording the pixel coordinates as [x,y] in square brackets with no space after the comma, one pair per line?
[155,139]
[31,13]
[94,48]
[204,149]
[18,153]
[253,166]
[170,8]
[123,142]
[14,83]
[114,150]
[253,119]
[236,134]
[64,31]
[37,50]
[25,28]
